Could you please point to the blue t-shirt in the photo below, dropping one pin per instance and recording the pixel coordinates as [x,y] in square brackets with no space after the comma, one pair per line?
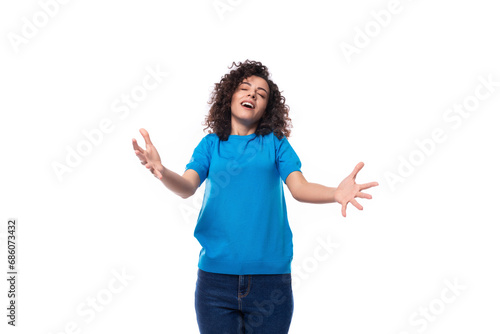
[243,225]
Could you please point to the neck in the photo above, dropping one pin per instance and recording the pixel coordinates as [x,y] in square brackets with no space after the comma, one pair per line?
[242,130]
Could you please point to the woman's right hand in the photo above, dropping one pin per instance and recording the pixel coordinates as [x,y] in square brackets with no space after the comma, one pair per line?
[148,157]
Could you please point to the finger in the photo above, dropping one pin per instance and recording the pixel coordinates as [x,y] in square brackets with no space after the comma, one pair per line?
[356,204]
[357,169]
[368,185]
[141,157]
[157,174]
[363,195]
[140,154]
[145,134]
[344,209]
[151,168]
[136,146]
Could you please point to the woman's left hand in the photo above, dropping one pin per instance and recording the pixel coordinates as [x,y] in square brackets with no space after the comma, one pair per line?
[348,190]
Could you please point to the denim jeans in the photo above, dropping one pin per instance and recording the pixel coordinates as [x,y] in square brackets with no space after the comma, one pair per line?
[243,304]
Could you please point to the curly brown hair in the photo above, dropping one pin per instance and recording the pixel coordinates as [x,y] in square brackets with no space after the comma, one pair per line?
[275,118]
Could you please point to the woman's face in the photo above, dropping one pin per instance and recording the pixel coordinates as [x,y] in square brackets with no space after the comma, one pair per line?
[250,100]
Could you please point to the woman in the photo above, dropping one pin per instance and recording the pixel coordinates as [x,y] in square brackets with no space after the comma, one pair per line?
[244,268]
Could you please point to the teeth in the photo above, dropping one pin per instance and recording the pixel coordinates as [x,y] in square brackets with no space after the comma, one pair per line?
[248,104]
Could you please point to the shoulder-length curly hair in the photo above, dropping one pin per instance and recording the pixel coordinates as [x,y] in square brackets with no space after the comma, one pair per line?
[275,118]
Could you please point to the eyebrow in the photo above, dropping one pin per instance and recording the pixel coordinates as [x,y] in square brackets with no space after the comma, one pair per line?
[247,83]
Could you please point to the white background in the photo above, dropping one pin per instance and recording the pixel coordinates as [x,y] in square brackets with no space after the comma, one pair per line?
[436,224]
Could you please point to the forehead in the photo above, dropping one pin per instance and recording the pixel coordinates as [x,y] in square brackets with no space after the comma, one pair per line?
[257,81]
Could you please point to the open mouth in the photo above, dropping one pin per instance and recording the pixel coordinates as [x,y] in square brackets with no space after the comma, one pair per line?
[247,105]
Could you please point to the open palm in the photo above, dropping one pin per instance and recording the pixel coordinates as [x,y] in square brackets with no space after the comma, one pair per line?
[149,157]
[348,190]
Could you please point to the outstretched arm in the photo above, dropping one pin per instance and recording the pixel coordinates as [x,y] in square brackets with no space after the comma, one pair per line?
[346,192]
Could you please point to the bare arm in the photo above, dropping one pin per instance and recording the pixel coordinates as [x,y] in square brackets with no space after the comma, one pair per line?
[185,186]
[345,193]
[307,192]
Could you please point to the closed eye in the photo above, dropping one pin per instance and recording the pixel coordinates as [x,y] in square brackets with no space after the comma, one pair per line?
[259,94]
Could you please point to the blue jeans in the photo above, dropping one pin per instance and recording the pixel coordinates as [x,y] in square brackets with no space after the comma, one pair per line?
[243,304]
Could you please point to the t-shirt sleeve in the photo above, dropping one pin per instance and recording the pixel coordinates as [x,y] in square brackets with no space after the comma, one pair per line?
[287,160]
[200,160]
